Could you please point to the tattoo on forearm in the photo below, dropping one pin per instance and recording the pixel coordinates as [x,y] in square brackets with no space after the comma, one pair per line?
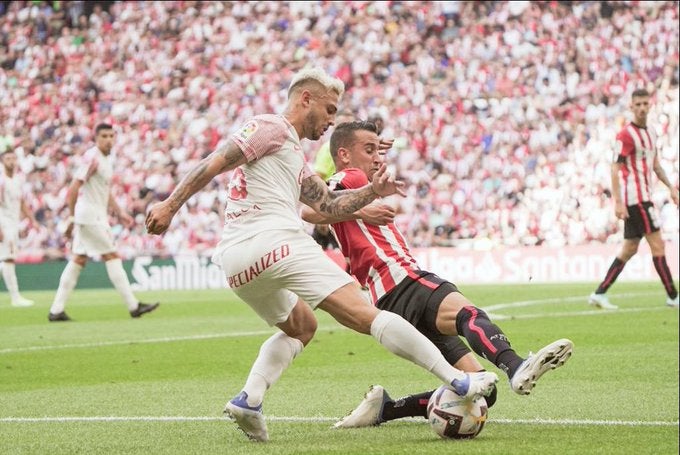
[339,203]
[343,203]
[192,182]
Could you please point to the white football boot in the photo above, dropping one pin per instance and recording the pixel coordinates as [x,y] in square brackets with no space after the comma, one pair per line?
[536,365]
[673,303]
[249,419]
[601,301]
[475,384]
[22,302]
[368,413]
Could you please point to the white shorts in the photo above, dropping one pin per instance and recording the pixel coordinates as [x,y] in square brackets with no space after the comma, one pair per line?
[92,240]
[8,246]
[272,269]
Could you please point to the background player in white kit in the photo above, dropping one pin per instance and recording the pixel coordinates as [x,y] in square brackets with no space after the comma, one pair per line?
[89,200]
[12,204]
[274,266]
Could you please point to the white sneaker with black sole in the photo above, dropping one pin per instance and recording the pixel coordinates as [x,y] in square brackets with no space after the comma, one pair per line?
[536,365]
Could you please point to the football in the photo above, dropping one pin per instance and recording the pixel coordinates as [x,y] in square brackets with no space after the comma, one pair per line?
[456,417]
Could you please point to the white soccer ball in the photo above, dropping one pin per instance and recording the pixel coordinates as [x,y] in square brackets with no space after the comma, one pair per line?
[453,416]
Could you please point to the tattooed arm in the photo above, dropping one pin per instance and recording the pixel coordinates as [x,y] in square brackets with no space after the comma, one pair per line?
[339,204]
[225,158]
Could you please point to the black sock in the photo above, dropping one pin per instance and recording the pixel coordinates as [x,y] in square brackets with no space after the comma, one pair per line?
[613,273]
[410,406]
[664,272]
[416,405]
[487,339]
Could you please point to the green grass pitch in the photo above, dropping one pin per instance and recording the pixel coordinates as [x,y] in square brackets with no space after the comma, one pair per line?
[108,384]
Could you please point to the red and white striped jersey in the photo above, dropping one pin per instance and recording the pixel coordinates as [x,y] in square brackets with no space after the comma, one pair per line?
[635,151]
[378,255]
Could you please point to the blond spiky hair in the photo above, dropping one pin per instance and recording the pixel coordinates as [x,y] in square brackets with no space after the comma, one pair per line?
[318,75]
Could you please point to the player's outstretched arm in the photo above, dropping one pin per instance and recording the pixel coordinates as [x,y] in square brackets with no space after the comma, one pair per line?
[374,213]
[225,158]
[338,204]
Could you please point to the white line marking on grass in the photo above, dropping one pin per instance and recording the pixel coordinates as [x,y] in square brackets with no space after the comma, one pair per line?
[505,317]
[122,342]
[572,299]
[207,336]
[321,419]
[489,309]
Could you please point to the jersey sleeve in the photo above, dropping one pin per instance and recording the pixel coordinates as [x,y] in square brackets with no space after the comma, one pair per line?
[87,166]
[348,179]
[623,147]
[260,136]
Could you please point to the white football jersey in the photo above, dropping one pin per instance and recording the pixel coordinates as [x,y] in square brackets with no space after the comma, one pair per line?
[264,192]
[10,199]
[95,171]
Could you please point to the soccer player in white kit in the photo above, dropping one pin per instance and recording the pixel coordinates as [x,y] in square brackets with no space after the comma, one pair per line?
[12,204]
[89,199]
[272,264]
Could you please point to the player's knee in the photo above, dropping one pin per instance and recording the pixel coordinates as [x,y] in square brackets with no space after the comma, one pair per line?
[308,332]
[80,260]
[466,314]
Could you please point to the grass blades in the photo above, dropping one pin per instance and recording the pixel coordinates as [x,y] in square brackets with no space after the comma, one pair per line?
[109,384]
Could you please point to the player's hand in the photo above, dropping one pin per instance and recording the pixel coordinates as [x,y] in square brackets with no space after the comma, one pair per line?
[385,185]
[158,219]
[378,214]
[385,145]
[621,211]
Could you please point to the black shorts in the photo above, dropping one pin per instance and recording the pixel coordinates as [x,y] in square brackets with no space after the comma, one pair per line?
[418,301]
[641,221]
[325,239]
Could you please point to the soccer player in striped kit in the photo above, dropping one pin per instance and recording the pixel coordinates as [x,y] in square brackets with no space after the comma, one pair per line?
[379,257]
[634,160]
[274,266]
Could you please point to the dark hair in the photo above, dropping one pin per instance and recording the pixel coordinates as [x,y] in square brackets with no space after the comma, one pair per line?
[343,134]
[102,126]
[639,93]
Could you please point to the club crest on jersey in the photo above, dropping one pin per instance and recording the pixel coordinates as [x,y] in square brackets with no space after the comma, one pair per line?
[247,130]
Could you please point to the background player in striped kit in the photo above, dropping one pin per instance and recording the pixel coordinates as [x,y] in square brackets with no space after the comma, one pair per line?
[12,205]
[635,158]
[379,257]
[89,200]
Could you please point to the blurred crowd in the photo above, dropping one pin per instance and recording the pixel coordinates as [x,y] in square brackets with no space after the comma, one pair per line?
[504,113]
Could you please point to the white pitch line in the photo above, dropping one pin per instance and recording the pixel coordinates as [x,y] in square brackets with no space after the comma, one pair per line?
[117,343]
[598,312]
[489,309]
[321,419]
[572,299]
[207,336]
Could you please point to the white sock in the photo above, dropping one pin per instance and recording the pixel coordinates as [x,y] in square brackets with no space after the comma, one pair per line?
[68,280]
[404,340]
[117,275]
[276,354]
[10,276]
